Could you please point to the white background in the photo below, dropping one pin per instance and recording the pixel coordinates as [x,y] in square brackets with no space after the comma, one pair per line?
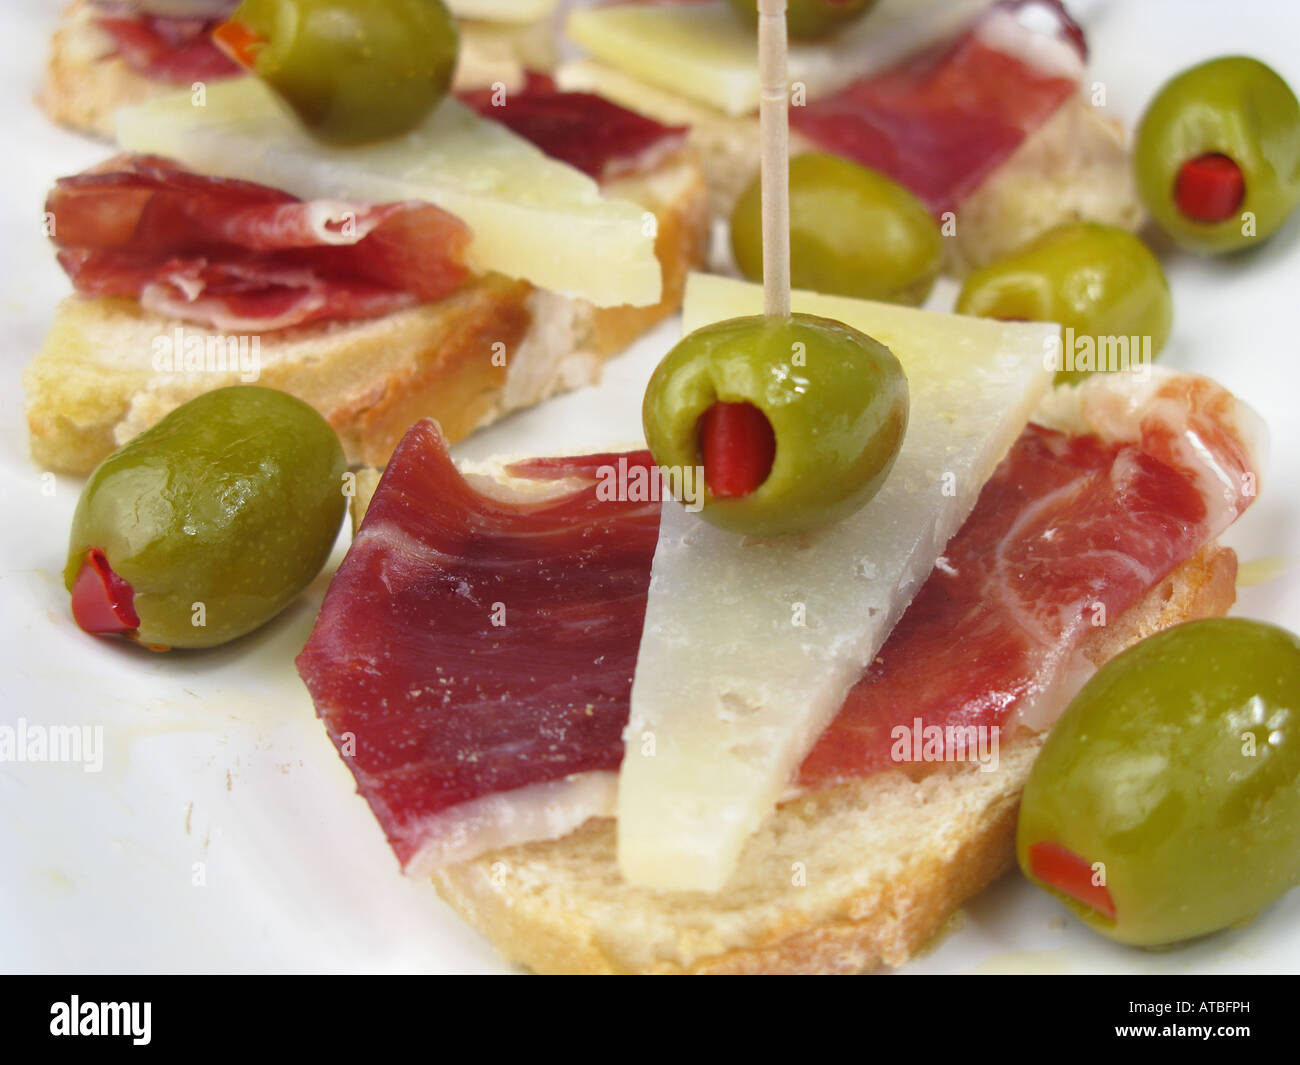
[218,758]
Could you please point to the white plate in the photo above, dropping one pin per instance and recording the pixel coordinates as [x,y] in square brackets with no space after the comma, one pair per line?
[215,767]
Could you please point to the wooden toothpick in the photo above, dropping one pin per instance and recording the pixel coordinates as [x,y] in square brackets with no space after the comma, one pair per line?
[774,132]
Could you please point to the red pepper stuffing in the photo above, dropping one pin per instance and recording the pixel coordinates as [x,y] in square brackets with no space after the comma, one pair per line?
[238,42]
[1210,188]
[737,446]
[1068,873]
[102,602]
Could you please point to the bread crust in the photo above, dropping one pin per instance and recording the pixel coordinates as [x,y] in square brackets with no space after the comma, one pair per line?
[560,907]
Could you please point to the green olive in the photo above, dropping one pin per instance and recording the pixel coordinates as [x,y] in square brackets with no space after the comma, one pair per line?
[353,71]
[1100,282]
[1235,112]
[853,232]
[1166,801]
[215,519]
[808,20]
[830,401]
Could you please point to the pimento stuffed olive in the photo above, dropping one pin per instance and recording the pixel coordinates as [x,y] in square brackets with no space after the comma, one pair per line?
[1218,155]
[795,420]
[353,71]
[1166,801]
[206,526]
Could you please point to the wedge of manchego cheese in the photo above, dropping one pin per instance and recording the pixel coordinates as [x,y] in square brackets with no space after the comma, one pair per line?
[706,52]
[532,217]
[750,645]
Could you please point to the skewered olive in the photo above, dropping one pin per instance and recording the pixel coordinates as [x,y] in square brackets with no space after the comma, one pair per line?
[808,20]
[796,421]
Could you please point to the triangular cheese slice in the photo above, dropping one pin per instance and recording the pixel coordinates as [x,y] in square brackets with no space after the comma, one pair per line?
[705,51]
[532,217]
[750,646]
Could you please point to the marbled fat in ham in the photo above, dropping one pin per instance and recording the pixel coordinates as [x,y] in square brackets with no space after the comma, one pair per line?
[466,736]
[239,256]
[1069,533]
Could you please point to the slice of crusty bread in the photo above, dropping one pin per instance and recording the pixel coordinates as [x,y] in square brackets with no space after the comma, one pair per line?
[1075,167]
[85,83]
[492,346]
[884,862]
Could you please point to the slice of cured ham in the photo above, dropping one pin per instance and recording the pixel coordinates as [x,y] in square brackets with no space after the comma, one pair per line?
[465,736]
[943,121]
[174,50]
[240,256]
[1069,533]
[582,129]
[472,645]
